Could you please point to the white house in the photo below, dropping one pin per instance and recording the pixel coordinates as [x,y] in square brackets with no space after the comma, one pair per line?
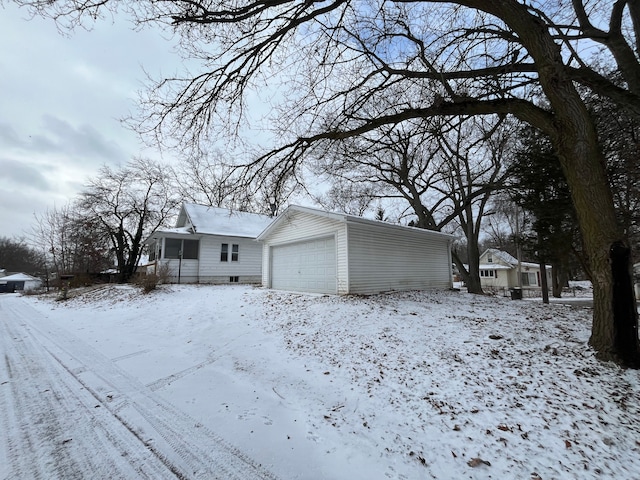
[19,281]
[209,245]
[310,250]
[499,269]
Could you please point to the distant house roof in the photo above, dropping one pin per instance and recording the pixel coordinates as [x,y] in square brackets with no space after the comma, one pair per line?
[19,277]
[505,257]
[208,220]
[494,266]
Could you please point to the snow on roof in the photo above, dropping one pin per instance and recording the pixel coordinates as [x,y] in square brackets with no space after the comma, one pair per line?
[221,221]
[504,256]
[208,220]
[507,258]
[343,217]
[19,277]
[493,266]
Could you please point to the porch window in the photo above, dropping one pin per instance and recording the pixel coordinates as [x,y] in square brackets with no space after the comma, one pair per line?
[152,251]
[172,247]
[175,246]
[190,249]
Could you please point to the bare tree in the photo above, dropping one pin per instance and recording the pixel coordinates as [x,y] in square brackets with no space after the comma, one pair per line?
[340,59]
[127,204]
[444,172]
[52,236]
[16,255]
[208,179]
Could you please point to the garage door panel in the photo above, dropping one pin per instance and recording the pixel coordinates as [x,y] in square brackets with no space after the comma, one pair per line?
[306,266]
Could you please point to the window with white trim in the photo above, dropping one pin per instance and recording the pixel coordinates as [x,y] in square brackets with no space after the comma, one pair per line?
[224,252]
[487,273]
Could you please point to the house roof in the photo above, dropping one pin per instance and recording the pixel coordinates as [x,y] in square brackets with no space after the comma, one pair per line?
[343,217]
[493,266]
[19,277]
[208,220]
[505,257]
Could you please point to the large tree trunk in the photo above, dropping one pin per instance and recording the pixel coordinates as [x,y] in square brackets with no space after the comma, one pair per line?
[543,283]
[473,254]
[559,277]
[614,331]
[573,134]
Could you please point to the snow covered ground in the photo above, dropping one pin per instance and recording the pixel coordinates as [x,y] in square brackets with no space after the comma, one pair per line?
[242,382]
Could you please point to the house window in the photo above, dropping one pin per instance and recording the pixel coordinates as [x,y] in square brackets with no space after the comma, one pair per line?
[490,259]
[152,251]
[529,279]
[190,249]
[224,252]
[486,273]
[177,247]
[172,247]
[234,279]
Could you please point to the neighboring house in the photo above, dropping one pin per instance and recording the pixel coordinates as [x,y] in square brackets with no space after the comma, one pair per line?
[209,245]
[310,250]
[499,269]
[19,282]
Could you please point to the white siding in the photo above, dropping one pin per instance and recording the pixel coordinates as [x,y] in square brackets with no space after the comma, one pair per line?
[381,259]
[185,272]
[500,279]
[300,227]
[209,269]
[248,267]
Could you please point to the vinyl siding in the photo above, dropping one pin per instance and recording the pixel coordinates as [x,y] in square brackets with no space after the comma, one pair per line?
[381,260]
[249,263]
[300,227]
[503,280]
[209,269]
[187,271]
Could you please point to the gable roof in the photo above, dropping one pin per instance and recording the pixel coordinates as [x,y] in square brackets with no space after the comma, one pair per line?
[345,218]
[203,219]
[506,258]
[19,277]
[221,221]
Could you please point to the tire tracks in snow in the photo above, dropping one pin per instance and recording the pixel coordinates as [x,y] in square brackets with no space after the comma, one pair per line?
[52,426]
[180,446]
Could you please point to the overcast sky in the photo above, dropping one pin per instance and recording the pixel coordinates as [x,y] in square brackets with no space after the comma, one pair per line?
[61,99]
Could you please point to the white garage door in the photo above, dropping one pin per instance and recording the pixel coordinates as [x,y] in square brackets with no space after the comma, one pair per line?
[305,267]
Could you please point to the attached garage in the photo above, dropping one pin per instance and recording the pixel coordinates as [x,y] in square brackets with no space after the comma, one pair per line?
[309,266]
[309,250]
